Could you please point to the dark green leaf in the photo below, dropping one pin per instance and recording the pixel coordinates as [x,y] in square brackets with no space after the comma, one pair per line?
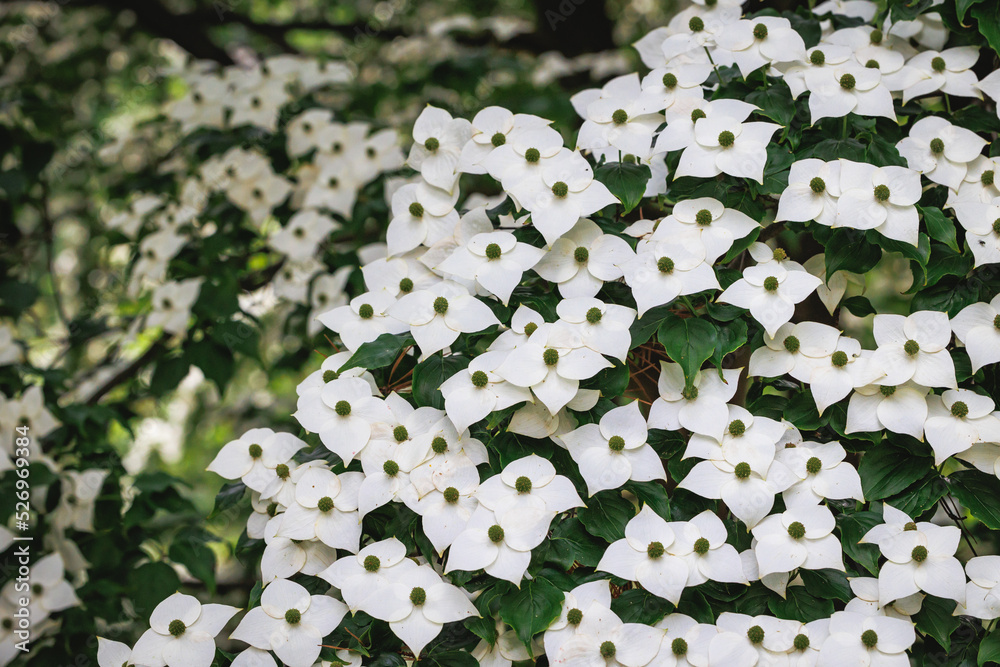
[935,619]
[168,374]
[378,353]
[639,606]
[939,227]
[626,181]
[859,306]
[848,251]
[215,361]
[430,374]
[979,493]
[230,495]
[886,470]
[532,608]
[800,605]
[827,584]
[688,341]
[606,514]
[731,337]
[775,102]
[987,15]
[150,584]
[189,549]
[570,543]
[989,649]
[852,528]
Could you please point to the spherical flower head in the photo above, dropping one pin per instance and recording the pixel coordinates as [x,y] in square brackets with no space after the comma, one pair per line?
[839,359]
[628,158]
[440,305]
[938,64]
[869,638]
[987,177]
[760,31]
[439,445]
[996,226]
[813,465]
[450,495]
[742,470]
[791,344]
[911,347]
[796,530]
[679,646]
[689,393]
[418,596]
[655,550]
[755,634]
[608,650]
[365,311]
[282,471]
[665,265]
[876,36]
[871,63]
[887,390]
[937,146]
[325,504]
[522,484]
[801,642]
[771,284]
[372,563]
[703,217]
[293,617]
[959,409]
[696,24]
[176,627]
[493,251]
[342,408]
[432,144]
[619,117]
[417,209]
[550,357]
[594,315]
[669,81]
[616,443]
[909,525]
[581,255]
[701,546]
[330,376]
[698,114]
[726,138]
[255,451]
[560,189]
[406,285]
[882,193]
[996,322]
[400,433]
[817,185]
[817,57]
[390,468]
[847,81]
[574,616]
[779,255]
[532,155]
[530,328]
[498,139]
[495,533]
[919,553]
[480,379]
[737,428]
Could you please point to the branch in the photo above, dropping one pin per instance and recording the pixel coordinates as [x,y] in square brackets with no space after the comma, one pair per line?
[130,371]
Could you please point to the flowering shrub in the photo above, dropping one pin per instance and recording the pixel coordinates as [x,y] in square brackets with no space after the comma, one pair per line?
[715,387]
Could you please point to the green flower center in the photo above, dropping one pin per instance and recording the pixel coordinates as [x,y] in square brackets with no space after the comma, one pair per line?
[813,465]
[417,209]
[792,344]
[847,82]
[390,468]
[869,638]
[755,634]
[532,155]
[919,553]
[696,24]
[480,379]
[801,642]
[689,393]
[887,390]
[530,328]
[996,226]
[875,37]
[522,484]
[325,504]
[742,470]
[330,376]
[372,563]
[817,185]
[432,144]
[619,117]
[594,315]
[293,617]
[909,525]
[760,31]
[581,255]
[177,627]
[616,443]
[911,347]
[574,616]
[937,146]
[679,646]
[439,445]
[737,428]
[665,265]
[817,57]
[498,139]
[655,550]
[771,284]
[282,471]
[996,322]
[440,305]
[701,546]
[406,285]
[839,359]
[872,64]
[342,408]
[938,64]
[495,533]
[987,177]
[550,357]
[608,650]
[779,255]
[669,81]
[726,138]
[560,189]
[493,251]
[881,192]
[418,596]
[703,217]
[450,495]
[959,409]
[697,115]
[400,433]
[365,311]
[796,530]
[255,451]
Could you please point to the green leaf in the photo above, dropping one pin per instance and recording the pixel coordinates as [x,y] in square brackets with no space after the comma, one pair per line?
[688,341]
[935,619]
[215,361]
[731,337]
[378,353]
[168,374]
[922,496]
[801,411]
[989,649]
[190,550]
[430,374]
[987,15]
[606,514]
[852,528]
[532,608]
[962,6]
[979,493]
[570,543]
[626,181]
[775,102]
[800,605]
[230,495]
[640,606]
[150,584]
[886,470]
[448,659]
[846,250]
[939,227]
[859,306]
[240,337]
[827,584]
[919,253]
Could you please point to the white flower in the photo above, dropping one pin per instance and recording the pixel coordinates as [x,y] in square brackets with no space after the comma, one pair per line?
[748,493]
[575,603]
[254,457]
[182,633]
[421,215]
[794,349]
[615,451]
[754,43]
[448,504]
[751,640]
[702,543]
[252,657]
[437,315]
[857,639]
[325,508]
[80,490]
[914,348]
[719,227]
[812,192]
[438,140]
[502,547]
[328,291]
[849,87]
[302,236]
[921,559]
[701,408]
[685,643]
[747,439]
[494,260]
[833,378]
[984,456]
[583,259]
[367,581]
[676,86]
[342,413]
[155,251]
[363,320]
[940,151]
[328,184]
[492,127]
[976,326]
[948,71]
[522,156]
[603,327]
[472,394]
[617,115]
[290,622]
[770,293]
[879,198]
[530,489]
[285,557]
[822,471]
[425,605]
[643,555]
[663,270]
[399,275]
[900,409]
[113,654]
[679,133]
[982,230]
[798,537]
[866,602]
[957,420]
[308,130]
[172,305]
[602,639]
[982,593]
[725,145]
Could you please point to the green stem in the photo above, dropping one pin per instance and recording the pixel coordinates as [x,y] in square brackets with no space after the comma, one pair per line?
[690,306]
[843,132]
[714,66]
[947,104]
